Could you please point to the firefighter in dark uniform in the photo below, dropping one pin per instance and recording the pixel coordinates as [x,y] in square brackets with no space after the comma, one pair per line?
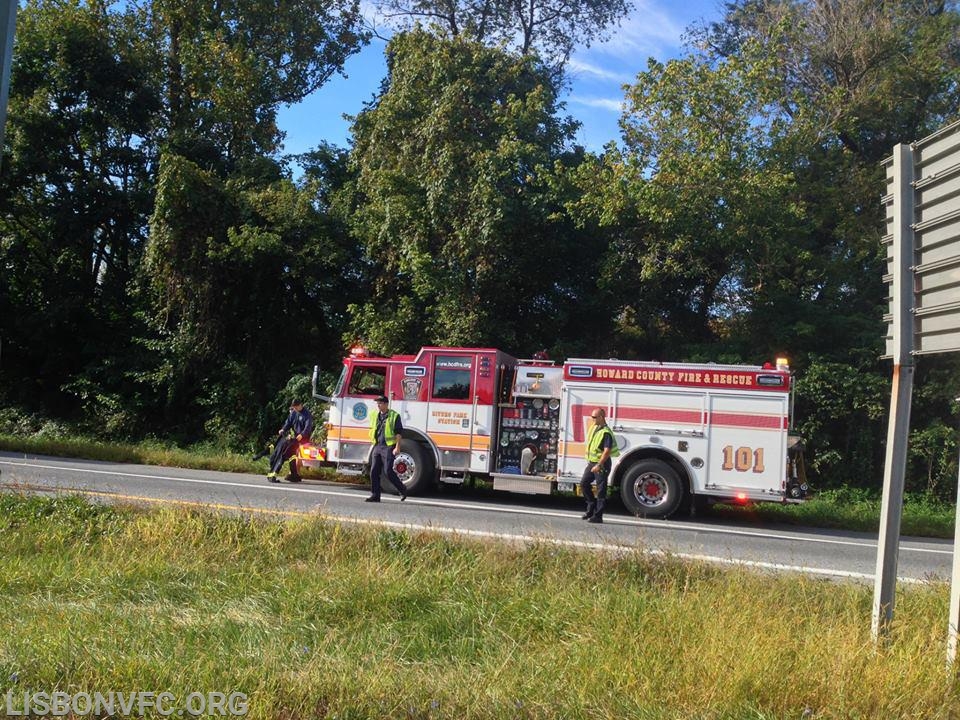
[601,446]
[385,429]
[299,424]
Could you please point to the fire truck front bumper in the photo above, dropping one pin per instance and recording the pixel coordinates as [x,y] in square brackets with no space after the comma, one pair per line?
[313,456]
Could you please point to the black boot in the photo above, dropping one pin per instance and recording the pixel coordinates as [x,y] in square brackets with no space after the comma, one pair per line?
[598,512]
[294,476]
[591,508]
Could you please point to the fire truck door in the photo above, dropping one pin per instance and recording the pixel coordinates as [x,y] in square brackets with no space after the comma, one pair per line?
[747,444]
[457,423]
[365,381]
[577,404]
[335,412]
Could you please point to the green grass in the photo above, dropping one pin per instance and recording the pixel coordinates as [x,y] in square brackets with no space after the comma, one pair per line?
[851,509]
[847,509]
[313,619]
[145,453]
[199,457]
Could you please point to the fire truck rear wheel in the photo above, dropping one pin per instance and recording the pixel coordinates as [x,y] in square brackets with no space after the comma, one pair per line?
[414,466]
[651,488]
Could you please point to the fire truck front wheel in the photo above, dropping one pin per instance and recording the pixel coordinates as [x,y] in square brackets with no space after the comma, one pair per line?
[414,467]
[651,488]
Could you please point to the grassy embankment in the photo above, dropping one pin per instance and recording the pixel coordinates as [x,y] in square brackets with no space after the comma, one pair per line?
[313,619]
[852,510]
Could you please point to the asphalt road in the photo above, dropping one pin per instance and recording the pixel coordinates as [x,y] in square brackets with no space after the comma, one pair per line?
[475,513]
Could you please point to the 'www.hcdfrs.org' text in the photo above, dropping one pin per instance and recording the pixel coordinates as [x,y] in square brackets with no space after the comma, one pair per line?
[125,704]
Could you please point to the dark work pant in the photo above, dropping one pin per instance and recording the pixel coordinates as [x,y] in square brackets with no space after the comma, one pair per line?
[286,448]
[381,462]
[601,479]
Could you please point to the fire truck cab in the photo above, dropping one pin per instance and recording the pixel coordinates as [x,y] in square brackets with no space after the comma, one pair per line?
[448,400]
[683,431]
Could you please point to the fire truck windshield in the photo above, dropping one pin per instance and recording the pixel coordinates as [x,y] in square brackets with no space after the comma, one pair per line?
[368,380]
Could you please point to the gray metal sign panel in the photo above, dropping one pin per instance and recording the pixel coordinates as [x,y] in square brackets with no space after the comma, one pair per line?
[921,204]
[935,213]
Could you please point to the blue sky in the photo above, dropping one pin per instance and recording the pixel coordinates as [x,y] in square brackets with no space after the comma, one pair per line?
[655,28]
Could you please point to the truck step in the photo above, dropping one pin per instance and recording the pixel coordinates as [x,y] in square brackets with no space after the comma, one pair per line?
[350,469]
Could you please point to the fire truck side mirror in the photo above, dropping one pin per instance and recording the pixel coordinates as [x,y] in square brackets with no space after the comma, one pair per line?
[313,384]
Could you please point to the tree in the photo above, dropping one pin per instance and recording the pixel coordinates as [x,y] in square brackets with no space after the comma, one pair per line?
[250,277]
[75,194]
[852,79]
[456,202]
[695,205]
[240,261]
[122,291]
[550,28]
[228,65]
[858,74]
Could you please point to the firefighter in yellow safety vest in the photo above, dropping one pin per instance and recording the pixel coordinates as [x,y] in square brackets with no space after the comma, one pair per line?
[601,446]
[385,429]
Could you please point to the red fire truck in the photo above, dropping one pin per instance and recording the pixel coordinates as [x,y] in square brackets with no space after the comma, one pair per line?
[684,431]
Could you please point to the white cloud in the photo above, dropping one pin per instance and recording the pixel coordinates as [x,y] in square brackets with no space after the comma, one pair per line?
[655,28]
[581,68]
[648,31]
[613,105]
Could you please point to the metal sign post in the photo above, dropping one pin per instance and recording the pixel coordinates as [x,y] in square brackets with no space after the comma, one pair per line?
[900,255]
[8,21]
[954,619]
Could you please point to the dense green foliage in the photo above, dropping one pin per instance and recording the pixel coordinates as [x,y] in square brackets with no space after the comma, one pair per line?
[163,273]
[156,253]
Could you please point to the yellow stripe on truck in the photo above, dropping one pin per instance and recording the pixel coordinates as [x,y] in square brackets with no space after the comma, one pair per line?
[451,441]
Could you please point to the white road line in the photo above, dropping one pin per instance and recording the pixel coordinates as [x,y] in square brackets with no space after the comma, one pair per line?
[515,538]
[688,527]
[580,544]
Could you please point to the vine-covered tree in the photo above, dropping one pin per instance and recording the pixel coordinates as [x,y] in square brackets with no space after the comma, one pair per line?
[456,204]
[76,190]
[240,262]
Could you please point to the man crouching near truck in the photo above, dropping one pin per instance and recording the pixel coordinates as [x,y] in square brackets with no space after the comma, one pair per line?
[300,425]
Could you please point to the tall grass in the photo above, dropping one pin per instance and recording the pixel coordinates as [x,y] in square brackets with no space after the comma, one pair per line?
[313,619]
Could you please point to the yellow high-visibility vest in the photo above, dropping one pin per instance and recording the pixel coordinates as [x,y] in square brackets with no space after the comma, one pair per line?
[389,427]
[595,443]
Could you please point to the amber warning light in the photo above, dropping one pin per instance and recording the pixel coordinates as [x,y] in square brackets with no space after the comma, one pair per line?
[312,452]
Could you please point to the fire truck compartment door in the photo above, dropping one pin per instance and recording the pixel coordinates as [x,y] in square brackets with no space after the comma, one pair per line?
[575,422]
[747,442]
